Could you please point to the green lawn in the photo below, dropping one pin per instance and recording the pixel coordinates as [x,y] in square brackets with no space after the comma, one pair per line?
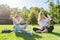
[35,36]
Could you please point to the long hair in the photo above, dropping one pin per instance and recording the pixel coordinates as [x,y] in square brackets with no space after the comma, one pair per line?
[39,18]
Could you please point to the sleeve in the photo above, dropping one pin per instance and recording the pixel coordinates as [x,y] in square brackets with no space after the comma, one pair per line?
[49,17]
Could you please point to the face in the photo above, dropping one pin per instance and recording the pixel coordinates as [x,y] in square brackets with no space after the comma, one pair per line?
[18,15]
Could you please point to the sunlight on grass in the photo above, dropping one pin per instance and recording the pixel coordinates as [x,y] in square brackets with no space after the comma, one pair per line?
[35,36]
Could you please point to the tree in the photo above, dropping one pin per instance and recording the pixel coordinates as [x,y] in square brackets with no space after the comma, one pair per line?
[33,15]
[25,13]
[13,11]
[54,11]
[32,18]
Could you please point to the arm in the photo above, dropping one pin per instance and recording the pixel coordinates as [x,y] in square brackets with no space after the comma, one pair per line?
[49,20]
[24,21]
[49,23]
[15,22]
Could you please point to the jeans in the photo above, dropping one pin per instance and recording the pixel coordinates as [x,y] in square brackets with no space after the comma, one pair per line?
[19,28]
[25,26]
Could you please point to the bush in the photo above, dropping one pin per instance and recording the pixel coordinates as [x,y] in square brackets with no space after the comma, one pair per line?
[32,18]
[25,16]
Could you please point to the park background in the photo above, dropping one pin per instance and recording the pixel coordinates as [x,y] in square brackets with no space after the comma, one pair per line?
[29,11]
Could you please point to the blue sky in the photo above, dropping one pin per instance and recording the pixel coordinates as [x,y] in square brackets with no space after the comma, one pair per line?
[28,3]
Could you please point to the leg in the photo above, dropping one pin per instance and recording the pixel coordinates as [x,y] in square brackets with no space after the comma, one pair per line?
[29,31]
[35,29]
[17,28]
[44,31]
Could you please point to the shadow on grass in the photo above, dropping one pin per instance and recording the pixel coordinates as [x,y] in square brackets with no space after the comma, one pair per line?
[26,36]
[55,33]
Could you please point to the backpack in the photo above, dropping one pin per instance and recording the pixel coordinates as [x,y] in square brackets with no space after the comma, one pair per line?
[50,29]
[6,31]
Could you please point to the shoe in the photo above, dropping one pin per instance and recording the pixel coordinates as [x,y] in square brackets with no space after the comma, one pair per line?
[19,31]
[38,31]
[29,32]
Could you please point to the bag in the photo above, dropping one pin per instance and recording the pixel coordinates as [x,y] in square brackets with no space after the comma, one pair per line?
[50,29]
[6,31]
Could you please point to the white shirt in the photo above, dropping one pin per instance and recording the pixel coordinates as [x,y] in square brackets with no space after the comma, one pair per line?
[44,22]
[16,21]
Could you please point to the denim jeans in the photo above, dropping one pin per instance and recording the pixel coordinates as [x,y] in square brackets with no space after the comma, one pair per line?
[19,28]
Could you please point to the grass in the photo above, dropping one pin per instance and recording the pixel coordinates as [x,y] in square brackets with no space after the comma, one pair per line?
[35,36]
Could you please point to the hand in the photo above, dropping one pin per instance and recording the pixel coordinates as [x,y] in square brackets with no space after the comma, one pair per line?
[26,21]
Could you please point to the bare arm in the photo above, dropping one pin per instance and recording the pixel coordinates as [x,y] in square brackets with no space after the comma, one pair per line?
[24,21]
[49,23]
[17,23]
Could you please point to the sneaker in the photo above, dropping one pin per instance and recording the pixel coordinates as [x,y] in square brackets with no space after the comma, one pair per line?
[29,32]
[19,31]
[38,31]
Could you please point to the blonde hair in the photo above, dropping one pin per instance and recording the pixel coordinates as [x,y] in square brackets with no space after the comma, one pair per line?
[18,13]
[39,18]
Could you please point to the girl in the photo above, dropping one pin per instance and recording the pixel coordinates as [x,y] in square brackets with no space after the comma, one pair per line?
[17,20]
[44,23]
